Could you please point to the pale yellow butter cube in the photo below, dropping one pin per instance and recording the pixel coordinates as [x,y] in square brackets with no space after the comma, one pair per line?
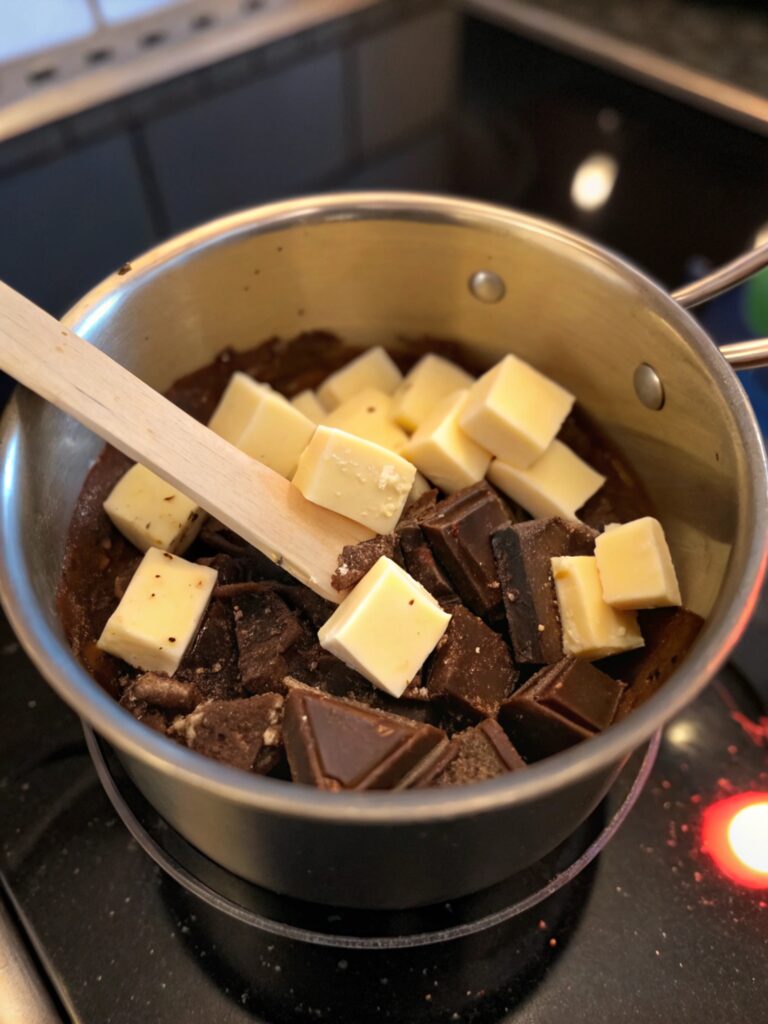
[635,566]
[159,613]
[276,434]
[373,369]
[152,514]
[429,381]
[369,414]
[591,628]
[357,478]
[514,411]
[310,405]
[386,628]
[557,484]
[237,405]
[443,452]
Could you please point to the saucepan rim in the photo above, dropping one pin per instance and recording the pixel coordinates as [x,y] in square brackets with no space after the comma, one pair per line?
[52,656]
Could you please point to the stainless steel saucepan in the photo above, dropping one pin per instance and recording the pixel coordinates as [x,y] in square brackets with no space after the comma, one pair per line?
[375,267]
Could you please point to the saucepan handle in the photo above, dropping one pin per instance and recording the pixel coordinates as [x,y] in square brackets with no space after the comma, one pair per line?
[742,355]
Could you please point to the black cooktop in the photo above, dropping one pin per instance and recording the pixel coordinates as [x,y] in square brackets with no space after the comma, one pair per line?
[650,931]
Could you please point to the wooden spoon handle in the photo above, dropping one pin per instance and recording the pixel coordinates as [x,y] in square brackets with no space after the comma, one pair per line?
[255,502]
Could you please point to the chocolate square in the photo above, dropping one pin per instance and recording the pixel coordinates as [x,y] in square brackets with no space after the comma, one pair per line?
[523,559]
[266,628]
[474,755]
[459,532]
[336,744]
[559,706]
[245,733]
[422,565]
[472,667]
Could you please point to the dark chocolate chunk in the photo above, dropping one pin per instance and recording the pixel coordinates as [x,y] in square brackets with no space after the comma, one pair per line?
[245,733]
[523,560]
[356,559]
[559,706]
[459,532]
[481,752]
[266,628]
[421,507]
[252,567]
[421,564]
[410,536]
[472,667]
[302,599]
[668,634]
[211,662]
[336,744]
[163,692]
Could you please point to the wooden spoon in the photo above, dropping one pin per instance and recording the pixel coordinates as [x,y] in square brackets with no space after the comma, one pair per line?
[255,502]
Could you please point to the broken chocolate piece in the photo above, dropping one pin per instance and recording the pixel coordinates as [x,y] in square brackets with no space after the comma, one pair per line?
[421,564]
[472,667]
[163,692]
[459,532]
[335,744]
[559,706]
[669,634]
[302,599]
[421,507]
[356,559]
[523,560]
[481,752]
[211,661]
[265,628]
[245,733]
[246,568]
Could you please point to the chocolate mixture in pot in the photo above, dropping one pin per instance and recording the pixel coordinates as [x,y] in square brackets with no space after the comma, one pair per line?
[512,583]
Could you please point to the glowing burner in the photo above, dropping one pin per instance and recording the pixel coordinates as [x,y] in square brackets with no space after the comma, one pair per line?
[735,835]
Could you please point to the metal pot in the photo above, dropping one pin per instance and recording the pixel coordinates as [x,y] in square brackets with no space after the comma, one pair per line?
[375,267]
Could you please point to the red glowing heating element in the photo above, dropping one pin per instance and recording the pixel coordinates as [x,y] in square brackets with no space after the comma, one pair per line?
[735,835]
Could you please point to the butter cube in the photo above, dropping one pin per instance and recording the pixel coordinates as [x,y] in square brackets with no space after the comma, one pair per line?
[430,380]
[152,514]
[591,628]
[515,412]
[356,478]
[159,613]
[369,415]
[443,452]
[236,406]
[557,484]
[276,434]
[635,566]
[310,405]
[386,628]
[373,369]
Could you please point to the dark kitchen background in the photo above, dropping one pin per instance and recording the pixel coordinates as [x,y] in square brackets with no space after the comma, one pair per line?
[641,123]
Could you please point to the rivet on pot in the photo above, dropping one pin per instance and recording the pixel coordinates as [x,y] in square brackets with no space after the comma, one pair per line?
[487,286]
[648,387]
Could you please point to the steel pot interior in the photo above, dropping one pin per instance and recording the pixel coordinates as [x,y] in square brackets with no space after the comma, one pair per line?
[376,268]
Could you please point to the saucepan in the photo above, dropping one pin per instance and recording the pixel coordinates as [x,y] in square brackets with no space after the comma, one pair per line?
[377,268]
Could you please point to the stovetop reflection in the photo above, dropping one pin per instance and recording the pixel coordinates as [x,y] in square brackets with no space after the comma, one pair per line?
[651,931]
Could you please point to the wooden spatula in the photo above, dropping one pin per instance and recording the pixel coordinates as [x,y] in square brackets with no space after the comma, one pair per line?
[246,496]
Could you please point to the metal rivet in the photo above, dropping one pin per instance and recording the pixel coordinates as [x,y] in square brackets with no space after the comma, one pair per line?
[648,387]
[487,286]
